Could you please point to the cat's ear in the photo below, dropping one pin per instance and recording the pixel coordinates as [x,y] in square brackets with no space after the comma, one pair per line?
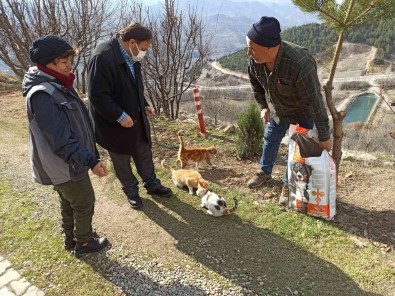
[203,183]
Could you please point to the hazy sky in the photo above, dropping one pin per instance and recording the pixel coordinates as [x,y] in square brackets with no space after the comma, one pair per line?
[272,1]
[275,1]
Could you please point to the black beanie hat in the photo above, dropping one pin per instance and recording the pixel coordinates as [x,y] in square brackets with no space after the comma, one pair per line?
[265,32]
[47,48]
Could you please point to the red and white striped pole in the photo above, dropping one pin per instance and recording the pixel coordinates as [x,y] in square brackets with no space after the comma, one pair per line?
[199,112]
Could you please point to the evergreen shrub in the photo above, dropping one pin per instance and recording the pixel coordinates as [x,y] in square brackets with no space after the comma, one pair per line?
[249,132]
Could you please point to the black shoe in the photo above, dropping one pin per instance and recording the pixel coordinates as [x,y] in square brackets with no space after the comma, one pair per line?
[69,241]
[135,202]
[161,191]
[95,244]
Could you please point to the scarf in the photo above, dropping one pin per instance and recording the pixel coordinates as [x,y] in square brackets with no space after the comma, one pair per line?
[67,81]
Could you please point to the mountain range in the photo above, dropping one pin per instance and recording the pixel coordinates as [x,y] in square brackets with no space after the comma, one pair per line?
[228,21]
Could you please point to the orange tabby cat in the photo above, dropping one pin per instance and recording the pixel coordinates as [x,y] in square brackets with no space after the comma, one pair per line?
[196,154]
[189,178]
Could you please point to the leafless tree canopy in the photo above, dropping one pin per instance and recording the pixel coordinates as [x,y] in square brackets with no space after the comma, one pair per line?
[81,22]
[173,64]
[177,55]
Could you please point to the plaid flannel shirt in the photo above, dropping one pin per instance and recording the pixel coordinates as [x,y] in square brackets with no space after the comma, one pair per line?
[292,90]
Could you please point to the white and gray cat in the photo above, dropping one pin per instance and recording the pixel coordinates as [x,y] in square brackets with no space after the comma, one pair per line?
[216,205]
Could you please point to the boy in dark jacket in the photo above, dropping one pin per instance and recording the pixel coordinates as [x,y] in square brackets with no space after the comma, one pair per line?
[62,144]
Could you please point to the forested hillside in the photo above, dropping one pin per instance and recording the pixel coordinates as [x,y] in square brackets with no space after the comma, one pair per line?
[318,37]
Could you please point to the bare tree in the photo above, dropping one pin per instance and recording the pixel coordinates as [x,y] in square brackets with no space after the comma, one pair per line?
[215,104]
[342,16]
[82,22]
[178,53]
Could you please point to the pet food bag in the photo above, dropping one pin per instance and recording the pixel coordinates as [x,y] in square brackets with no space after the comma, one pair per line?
[311,174]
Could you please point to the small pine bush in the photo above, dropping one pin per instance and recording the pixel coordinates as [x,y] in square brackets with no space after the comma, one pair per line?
[249,132]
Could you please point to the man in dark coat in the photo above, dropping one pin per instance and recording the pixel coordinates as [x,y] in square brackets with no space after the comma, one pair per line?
[120,111]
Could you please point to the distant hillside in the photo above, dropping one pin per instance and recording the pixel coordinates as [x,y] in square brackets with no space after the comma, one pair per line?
[318,37]
[8,83]
[227,21]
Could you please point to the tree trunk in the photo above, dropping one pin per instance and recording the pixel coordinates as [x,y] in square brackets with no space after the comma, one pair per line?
[77,76]
[337,129]
[336,115]
[83,79]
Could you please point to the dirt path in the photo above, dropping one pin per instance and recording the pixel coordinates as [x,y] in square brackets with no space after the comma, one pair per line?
[112,216]
[217,66]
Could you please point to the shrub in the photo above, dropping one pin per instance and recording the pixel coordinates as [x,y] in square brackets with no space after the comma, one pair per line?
[355,85]
[370,138]
[249,132]
[378,61]
[387,83]
[9,83]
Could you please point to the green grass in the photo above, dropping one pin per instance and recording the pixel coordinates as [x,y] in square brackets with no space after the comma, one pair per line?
[330,248]
[280,249]
[31,241]
[367,266]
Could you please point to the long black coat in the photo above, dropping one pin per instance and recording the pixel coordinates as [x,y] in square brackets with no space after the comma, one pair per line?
[112,89]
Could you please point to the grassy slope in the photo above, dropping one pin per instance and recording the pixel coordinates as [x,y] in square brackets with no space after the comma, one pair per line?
[29,240]
[295,247]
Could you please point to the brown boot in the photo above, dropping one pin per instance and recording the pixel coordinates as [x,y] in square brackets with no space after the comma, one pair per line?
[284,197]
[258,179]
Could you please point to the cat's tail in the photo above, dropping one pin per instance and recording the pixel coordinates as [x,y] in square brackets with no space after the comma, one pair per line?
[181,139]
[166,166]
[229,211]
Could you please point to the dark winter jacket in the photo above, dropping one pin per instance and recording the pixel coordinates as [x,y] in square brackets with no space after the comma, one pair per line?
[62,144]
[292,91]
[113,90]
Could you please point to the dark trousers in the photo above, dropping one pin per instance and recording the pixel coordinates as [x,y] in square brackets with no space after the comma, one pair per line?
[142,158]
[77,200]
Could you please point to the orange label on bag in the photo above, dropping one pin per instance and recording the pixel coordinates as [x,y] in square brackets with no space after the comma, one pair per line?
[317,210]
[301,130]
[299,204]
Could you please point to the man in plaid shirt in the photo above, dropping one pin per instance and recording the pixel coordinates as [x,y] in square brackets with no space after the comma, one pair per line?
[285,83]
